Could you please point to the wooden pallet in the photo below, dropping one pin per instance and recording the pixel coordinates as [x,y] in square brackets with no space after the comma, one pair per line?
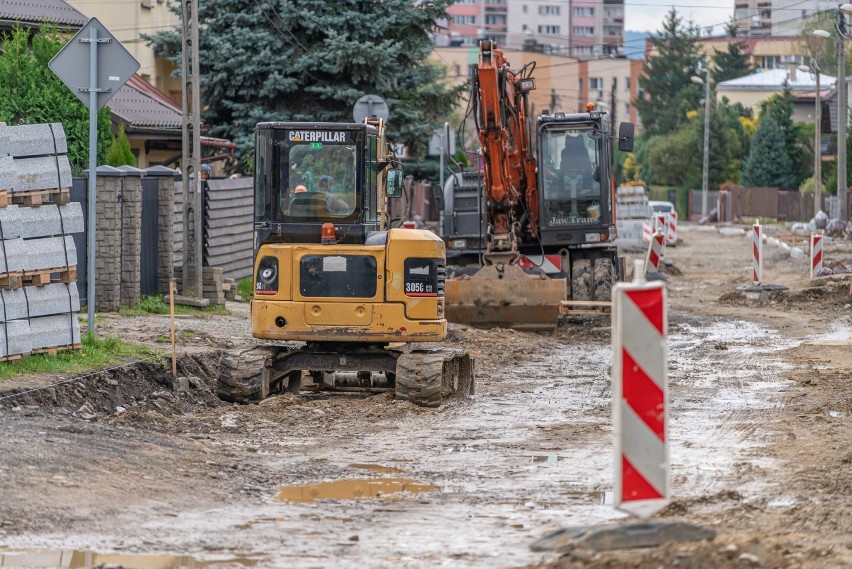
[12,359]
[53,350]
[35,198]
[11,280]
[45,276]
[582,307]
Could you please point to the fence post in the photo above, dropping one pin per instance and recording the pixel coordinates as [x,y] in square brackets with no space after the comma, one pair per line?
[165,225]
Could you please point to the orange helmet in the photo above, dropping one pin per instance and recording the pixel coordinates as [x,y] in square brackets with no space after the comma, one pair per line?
[300,188]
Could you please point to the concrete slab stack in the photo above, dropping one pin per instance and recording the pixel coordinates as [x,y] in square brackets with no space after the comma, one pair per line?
[212,281]
[39,299]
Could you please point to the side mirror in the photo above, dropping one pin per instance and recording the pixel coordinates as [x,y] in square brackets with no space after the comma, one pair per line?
[625,137]
[438,197]
[395,178]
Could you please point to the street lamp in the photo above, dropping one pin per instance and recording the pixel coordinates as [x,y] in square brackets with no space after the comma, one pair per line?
[842,107]
[815,69]
[704,173]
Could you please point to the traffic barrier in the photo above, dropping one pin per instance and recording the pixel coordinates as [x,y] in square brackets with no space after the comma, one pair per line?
[816,254]
[656,252]
[757,248]
[671,229]
[639,385]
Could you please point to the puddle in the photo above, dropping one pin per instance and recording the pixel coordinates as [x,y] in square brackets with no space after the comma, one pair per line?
[378,468]
[352,489]
[78,559]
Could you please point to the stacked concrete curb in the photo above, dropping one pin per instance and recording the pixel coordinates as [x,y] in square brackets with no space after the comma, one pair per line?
[38,260]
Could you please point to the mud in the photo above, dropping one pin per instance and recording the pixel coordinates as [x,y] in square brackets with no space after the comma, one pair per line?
[761,420]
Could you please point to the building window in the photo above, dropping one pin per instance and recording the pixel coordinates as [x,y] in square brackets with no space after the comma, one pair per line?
[464,20]
[627,83]
[548,10]
[584,12]
[626,110]
[524,28]
[583,30]
[595,83]
[495,20]
[583,50]
[524,8]
[548,30]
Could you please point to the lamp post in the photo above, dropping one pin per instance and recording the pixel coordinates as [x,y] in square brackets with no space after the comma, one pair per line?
[705,170]
[815,69]
[842,107]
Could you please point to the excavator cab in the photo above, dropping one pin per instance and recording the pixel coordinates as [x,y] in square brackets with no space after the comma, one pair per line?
[331,273]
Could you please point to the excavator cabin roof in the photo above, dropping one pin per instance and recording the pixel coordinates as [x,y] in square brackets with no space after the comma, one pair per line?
[279,125]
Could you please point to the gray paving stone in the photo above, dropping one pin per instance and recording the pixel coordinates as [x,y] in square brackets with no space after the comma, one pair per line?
[12,255]
[15,338]
[33,139]
[7,172]
[47,300]
[48,253]
[10,222]
[53,331]
[13,305]
[41,173]
[50,219]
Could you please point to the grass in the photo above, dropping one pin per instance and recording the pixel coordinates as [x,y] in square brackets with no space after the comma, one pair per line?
[155,304]
[96,353]
[245,288]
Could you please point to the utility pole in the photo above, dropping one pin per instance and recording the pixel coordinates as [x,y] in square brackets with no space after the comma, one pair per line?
[842,111]
[191,153]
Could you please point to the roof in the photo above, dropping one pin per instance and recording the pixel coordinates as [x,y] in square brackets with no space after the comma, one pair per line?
[773,80]
[31,13]
[141,105]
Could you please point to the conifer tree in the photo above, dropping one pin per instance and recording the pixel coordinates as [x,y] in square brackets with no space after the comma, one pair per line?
[668,91]
[768,163]
[120,154]
[311,60]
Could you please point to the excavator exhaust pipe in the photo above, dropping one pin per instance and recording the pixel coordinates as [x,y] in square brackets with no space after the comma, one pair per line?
[503,295]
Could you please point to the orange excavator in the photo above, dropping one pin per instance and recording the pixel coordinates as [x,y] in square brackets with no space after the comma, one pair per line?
[531,233]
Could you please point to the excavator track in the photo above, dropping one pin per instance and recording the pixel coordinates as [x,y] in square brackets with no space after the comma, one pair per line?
[427,377]
[422,377]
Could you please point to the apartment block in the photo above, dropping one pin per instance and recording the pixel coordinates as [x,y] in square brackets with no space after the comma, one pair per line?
[776,17]
[579,28]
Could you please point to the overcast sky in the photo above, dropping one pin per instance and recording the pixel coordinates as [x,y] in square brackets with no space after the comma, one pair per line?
[648,15]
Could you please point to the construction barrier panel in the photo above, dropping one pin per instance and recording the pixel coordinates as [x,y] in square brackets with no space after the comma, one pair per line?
[647,231]
[671,229]
[816,254]
[639,384]
[656,252]
[757,248]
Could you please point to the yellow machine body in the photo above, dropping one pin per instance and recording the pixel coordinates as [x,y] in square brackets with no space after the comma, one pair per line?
[389,292]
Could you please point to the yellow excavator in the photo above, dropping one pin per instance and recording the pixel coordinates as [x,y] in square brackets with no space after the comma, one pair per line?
[332,274]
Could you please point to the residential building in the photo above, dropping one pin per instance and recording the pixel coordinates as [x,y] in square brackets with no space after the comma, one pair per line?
[563,83]
[34,13]
[128,21]
[580,28]
[753,89]
[766,52]
[776,17]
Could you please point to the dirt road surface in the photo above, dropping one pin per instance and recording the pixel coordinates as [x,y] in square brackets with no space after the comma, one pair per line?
[125,468]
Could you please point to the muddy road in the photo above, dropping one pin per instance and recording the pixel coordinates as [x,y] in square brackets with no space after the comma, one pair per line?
[125,468]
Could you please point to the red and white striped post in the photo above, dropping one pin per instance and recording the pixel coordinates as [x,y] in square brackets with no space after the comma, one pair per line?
[656,252]
[816,254]
[639,385]
[671,229]
[757,248]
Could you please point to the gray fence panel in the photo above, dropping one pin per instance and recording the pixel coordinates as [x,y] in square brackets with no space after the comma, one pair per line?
[229,226]
[150,231]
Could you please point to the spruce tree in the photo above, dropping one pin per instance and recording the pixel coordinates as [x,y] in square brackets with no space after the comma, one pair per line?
[311,60]
[120,154]
[768,163]
[780,108]
[731,63]
[668,91]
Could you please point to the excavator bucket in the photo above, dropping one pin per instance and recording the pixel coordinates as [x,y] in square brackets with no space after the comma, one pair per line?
[503,295]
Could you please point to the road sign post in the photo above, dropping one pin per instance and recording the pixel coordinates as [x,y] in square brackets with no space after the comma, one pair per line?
[94,75]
